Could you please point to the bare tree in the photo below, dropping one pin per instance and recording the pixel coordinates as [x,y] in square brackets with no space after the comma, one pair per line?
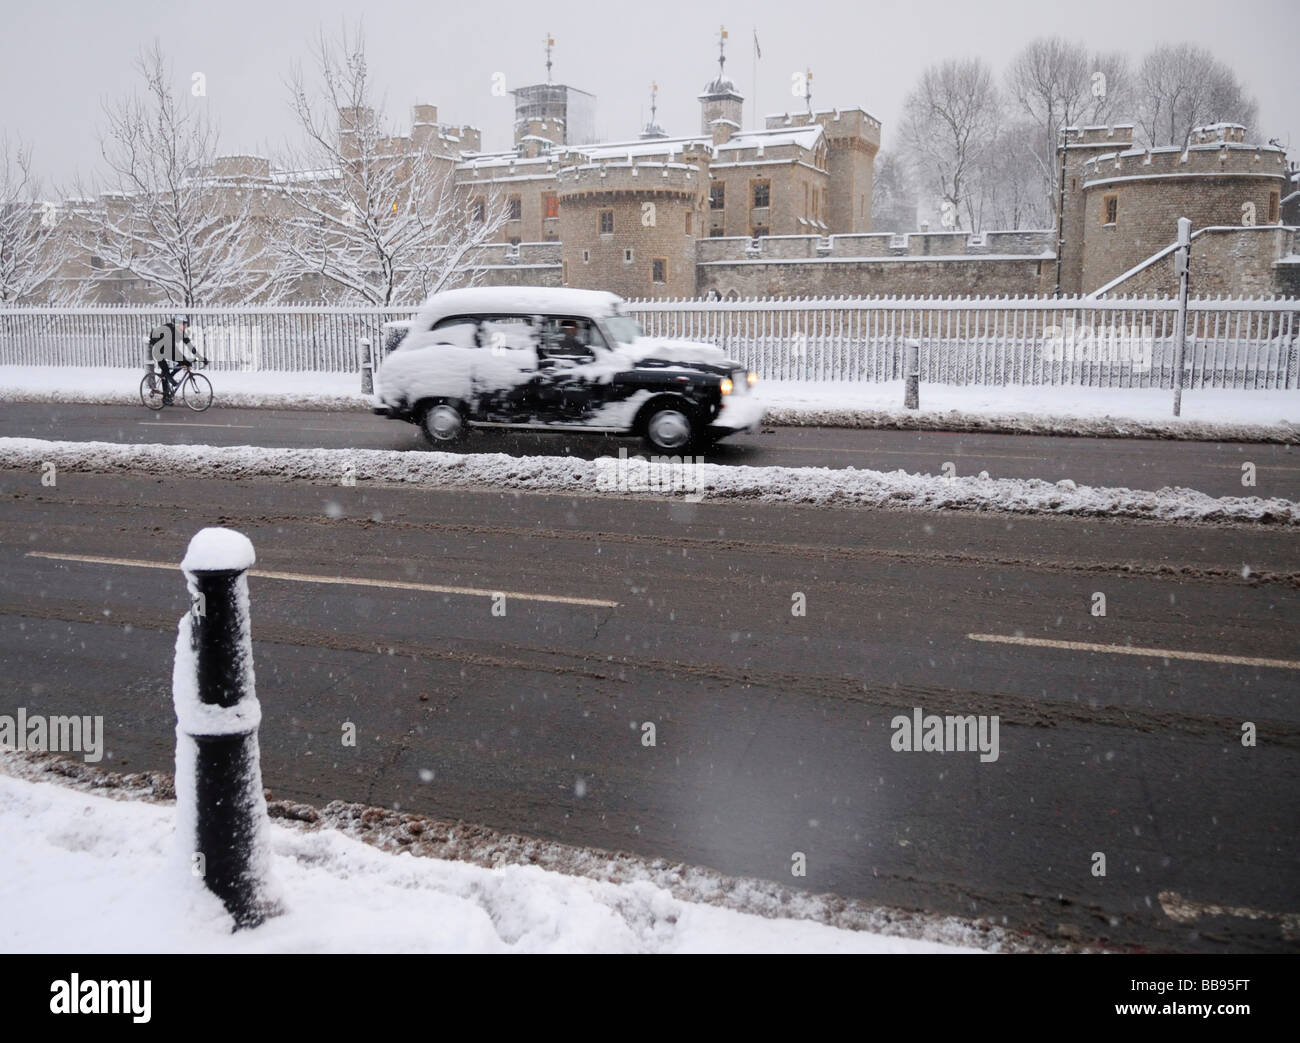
[1180,87]
[171,217]
[1055,84]
[33,252]
[371,216]
[1012,187]
[950,121]
[893,195]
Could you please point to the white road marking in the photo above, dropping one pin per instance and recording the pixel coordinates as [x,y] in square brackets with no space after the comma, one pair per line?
[1181,910]
[1154,653]
[348,581]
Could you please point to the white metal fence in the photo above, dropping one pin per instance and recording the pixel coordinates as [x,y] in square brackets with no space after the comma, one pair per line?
[316,339]
[1123,342]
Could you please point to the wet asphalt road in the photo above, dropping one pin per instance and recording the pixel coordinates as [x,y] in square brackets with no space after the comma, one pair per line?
[772,730]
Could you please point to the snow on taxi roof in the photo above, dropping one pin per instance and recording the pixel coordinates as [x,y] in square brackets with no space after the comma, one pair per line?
[519,300]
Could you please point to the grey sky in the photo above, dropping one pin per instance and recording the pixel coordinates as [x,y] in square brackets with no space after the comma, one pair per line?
[58,60]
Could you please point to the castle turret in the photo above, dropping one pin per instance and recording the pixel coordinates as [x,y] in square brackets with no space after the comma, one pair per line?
[721,104]
[1080,146]
[1129,201]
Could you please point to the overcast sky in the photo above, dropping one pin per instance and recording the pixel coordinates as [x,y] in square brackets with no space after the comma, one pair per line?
[60,60]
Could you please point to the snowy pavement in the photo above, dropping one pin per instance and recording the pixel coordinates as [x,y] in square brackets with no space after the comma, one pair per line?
[635,475]
[81,872]
[1240,415]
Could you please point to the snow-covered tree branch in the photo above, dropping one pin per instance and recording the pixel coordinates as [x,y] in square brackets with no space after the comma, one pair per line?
[172,216]
[371,216]
[33,252]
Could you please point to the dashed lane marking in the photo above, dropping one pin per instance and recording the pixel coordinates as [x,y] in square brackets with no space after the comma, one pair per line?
[347,581]
[1154,653]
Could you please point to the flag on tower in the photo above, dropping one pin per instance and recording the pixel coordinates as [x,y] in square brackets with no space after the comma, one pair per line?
[758,51]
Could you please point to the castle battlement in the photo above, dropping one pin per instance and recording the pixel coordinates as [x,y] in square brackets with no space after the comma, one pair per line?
[1211,159]
[1118,136]
[837,123]
[1034,244]
[636,178]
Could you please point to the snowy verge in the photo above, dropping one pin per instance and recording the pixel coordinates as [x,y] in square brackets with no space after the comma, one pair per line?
[1208,415]
[82,872]
[635,476]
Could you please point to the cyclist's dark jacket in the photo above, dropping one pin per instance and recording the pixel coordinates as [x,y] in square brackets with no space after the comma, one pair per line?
[160,335]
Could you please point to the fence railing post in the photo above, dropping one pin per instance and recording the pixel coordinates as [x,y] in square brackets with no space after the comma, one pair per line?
[1182,265]
[220,804]
[912,375]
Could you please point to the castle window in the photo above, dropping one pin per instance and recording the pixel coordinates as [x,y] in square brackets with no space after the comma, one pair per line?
[716,233]
[607,222]
[627,256]
[717,197]
[659,270]
[478,210]
[762,193]
[758,231]
[1274,200]
[550,204]
[690,223]
[516,208]
[1110,210]
[586,257]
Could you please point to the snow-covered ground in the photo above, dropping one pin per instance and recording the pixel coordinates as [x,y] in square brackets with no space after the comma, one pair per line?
[632,476]
[1144,412]
[81,872]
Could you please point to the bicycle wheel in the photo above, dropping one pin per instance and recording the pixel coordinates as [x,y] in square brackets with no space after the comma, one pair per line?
[198,392]
[151,392]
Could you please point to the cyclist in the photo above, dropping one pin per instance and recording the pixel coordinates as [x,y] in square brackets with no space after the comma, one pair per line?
[170,343]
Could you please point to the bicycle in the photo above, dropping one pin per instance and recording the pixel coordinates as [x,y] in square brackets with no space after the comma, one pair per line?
[194,388]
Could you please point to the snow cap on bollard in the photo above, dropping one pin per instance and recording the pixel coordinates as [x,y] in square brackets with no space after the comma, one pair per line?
[216,549]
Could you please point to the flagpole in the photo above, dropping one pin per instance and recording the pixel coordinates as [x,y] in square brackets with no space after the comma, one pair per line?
[753,119]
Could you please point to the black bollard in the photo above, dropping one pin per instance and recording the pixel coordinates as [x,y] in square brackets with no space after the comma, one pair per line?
[912,375]
[367,366]
[220,803]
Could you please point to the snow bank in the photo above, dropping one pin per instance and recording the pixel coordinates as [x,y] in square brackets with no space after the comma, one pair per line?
[84,873]
[819,486]
[1212,415]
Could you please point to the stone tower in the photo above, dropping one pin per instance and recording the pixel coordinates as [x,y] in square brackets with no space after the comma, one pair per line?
[1079,147]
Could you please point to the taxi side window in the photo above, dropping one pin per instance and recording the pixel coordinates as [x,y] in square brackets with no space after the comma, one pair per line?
[458,330]
[507,332]
[566,336]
